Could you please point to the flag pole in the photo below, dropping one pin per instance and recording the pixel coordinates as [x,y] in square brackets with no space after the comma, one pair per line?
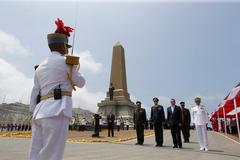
[235,106]
[218,121]
[225,122]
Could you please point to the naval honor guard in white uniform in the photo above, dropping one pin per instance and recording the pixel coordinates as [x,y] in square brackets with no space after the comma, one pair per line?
[200,120]
[51,101]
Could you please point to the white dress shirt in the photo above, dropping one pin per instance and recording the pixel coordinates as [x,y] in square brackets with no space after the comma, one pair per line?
[172,108]
[52,72]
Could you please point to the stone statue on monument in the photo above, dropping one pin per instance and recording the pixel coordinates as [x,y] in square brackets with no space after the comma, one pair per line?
[111,91]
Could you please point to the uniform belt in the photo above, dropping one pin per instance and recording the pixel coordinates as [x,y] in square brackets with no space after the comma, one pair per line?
[50,95]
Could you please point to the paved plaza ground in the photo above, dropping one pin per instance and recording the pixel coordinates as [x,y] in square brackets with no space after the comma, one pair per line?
[220,148]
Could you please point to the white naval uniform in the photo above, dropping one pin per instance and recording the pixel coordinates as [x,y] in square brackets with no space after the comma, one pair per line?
[200,119]
[51,117]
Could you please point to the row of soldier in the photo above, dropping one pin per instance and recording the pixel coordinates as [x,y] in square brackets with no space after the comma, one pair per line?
[15,127]
[178,119]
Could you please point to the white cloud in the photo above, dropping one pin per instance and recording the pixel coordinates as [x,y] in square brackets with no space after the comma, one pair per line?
[83,98]
[15,86]
[9,44]
[88,63]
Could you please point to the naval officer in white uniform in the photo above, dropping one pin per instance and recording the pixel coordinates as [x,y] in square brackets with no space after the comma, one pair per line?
[52,114]
[200,120]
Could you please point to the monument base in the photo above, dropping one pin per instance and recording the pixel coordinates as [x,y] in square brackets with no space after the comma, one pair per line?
[120,108]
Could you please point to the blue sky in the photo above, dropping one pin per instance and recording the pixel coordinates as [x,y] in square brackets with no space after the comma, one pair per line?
[173,50]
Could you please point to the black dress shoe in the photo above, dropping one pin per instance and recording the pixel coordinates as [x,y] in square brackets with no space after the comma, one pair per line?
[158,145]
[186,141]
[136,143]
[175,147]
[180,147]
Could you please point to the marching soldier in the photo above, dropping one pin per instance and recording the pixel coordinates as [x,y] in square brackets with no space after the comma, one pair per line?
[19,127]
[186,120]
[23,126]
[139,119]
[157,118]
[11,126]
[53,83]
[30,127]
[15,126]
[8,127]
[26,127]
[200,120]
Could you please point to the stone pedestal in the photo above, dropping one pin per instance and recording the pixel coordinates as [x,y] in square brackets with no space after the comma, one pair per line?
[124,109]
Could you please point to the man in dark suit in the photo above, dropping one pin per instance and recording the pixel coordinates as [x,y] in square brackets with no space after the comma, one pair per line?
[139,119]
[157,118]
[186,120]
[110,121]
[174,118]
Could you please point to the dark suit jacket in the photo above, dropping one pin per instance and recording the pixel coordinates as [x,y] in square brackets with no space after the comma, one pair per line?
[186,117]
[139,117]
[110,119]
[157,114]
[175,117]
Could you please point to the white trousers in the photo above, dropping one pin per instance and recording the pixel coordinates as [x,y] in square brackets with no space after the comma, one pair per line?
[202,135]
[48,138]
